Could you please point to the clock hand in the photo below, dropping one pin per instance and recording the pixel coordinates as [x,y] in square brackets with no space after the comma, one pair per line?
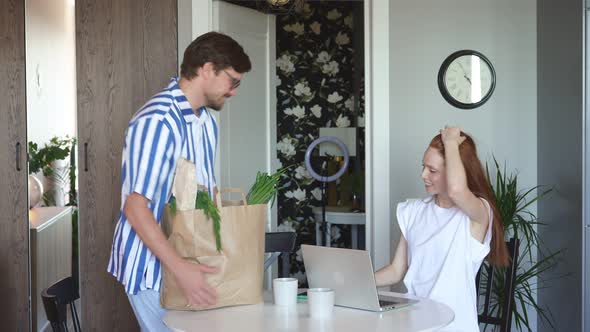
[463,69]
[464,73]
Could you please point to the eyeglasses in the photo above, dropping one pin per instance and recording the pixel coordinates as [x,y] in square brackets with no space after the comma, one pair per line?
[235,83]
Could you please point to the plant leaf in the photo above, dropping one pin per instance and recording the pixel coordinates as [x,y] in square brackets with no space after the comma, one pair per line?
[519,222]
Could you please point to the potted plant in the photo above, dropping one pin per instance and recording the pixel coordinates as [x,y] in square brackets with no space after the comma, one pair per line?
[44,160]
[519,222]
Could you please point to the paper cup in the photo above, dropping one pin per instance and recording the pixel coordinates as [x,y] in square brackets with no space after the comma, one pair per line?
[321,302]
[285,291]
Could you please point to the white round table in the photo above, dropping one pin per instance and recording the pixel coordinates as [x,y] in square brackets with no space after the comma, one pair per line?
[426,315]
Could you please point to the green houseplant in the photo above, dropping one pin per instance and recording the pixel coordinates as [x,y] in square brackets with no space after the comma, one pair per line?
[519,222]
[42,159]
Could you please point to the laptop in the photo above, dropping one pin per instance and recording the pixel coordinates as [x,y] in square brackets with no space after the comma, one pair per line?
[350,274]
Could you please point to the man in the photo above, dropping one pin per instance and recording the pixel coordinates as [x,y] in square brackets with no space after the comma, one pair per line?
[173,124]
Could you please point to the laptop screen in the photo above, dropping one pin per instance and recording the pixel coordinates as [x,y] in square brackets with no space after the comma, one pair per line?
[348,272]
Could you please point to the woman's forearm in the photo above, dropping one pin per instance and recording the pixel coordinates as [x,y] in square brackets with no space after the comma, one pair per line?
[387,276]
[394,272]
[456,177]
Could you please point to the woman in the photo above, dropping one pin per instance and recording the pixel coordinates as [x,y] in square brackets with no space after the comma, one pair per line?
[446,236]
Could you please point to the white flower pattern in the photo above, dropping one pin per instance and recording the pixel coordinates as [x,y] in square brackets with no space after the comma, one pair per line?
[297,194]
[286,148]
[323,57]
[334,97]
[296,28]
[301,173]
[334,232]
[361,121]
[342,39]
[297,111]
[334,14]
[316,110]
[348,21]
[299,256]
[284,63]
[315,71]
[349,104]
[316,28]
[286,226]
[331,68]
[317,194]
[302,90]
[342,121]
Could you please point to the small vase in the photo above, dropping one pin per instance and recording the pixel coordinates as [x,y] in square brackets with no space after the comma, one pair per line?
[57,183]
[35,191]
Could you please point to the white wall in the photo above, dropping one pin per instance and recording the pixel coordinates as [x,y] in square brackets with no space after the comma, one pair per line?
[50,69]
[423,33]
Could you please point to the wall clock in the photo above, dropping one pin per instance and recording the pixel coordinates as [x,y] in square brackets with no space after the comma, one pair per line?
[466,79]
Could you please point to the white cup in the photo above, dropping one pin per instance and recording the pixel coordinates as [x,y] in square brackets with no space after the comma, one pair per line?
[285,291]
[321,302]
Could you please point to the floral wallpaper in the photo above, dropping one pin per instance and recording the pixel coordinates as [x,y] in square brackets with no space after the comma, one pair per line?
[315,75]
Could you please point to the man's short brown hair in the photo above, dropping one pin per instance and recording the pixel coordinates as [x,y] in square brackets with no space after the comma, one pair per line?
[217,48]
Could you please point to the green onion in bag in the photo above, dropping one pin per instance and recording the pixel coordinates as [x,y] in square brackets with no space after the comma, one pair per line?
[265,187]
[172,205]
[204,202]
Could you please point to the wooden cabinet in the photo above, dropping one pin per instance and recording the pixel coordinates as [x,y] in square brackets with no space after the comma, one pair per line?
[125,52]
[14,229]
[51,254]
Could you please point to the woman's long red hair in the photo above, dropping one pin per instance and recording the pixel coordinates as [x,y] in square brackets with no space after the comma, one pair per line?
[480,187]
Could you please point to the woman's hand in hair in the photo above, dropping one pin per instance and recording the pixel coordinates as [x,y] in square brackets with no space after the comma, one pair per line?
[451,134]
[457,183]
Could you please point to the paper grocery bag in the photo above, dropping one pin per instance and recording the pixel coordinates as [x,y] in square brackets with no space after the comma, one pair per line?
[190,232]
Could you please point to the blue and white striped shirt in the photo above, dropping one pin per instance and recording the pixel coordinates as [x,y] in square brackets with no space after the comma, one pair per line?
[164,129]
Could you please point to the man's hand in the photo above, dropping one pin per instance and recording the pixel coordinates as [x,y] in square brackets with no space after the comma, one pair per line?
[191,279]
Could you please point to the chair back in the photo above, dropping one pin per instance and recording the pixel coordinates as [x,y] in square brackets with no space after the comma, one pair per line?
[503,304]
[56,299]
[277,243]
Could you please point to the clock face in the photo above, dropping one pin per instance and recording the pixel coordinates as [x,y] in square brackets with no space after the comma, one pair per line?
[466,79]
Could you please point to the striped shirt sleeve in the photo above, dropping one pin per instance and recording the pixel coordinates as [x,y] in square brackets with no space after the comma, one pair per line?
[151,146]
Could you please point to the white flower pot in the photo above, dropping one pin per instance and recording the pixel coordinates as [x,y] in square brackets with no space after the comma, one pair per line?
[35,191]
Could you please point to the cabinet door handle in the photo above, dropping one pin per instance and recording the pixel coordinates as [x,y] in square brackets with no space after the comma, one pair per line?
[86,157]
[18,168]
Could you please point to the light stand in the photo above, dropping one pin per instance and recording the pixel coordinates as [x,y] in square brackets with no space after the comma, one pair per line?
[324,199]
[323,178]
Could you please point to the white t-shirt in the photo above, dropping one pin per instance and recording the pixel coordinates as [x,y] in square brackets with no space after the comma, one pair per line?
[443,257]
